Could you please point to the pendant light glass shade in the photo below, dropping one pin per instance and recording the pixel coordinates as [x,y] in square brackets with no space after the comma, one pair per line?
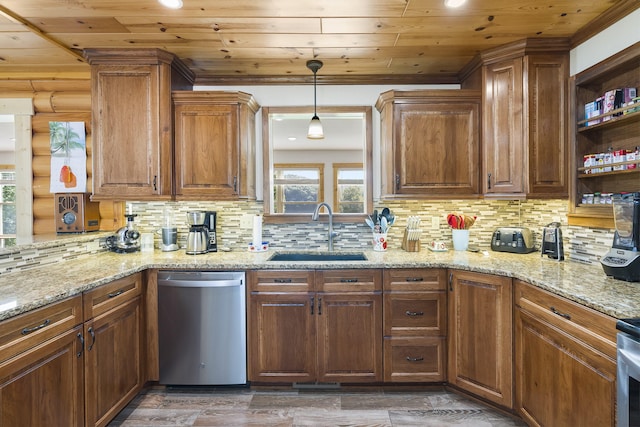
[315,129]
[315,126]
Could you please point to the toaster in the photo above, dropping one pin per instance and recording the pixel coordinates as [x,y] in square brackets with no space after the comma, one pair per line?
[517,240]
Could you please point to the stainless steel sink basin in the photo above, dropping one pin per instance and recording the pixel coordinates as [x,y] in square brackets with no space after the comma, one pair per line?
[318,256]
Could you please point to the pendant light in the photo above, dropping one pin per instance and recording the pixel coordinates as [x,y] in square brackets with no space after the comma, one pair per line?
[315,127]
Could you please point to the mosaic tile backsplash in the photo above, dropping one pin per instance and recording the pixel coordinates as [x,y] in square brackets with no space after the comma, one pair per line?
[580,243]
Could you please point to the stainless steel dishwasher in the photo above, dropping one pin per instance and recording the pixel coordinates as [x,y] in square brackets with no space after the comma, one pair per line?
[202,328]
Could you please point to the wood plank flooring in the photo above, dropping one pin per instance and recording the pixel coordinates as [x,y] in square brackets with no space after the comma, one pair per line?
[175,406]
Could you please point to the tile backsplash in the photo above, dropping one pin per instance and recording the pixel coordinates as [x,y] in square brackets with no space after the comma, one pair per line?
[581,244]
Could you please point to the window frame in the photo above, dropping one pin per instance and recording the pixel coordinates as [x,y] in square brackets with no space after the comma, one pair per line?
[319,167]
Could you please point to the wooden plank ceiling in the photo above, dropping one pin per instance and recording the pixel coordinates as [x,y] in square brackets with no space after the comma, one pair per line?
[417,41]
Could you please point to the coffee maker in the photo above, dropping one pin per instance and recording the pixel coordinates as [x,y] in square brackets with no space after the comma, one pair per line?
[623,259]
[552,241]
[198,237]
[210,225]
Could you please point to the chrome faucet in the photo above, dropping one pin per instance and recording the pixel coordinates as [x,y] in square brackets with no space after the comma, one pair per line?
[315,216]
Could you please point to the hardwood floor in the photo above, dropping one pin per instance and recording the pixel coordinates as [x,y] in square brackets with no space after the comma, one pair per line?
[173,406]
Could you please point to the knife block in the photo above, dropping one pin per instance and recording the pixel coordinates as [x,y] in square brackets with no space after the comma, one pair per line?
[410,245]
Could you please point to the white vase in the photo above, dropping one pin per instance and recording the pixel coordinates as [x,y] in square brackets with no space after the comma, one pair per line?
[460,239]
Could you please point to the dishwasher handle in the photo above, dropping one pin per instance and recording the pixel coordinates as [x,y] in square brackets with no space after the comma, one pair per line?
[201,283]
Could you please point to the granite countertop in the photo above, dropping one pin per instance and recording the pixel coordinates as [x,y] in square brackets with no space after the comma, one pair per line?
[21,291]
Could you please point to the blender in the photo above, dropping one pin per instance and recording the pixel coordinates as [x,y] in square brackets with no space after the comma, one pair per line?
[623,259]
[169,233]
[198,237]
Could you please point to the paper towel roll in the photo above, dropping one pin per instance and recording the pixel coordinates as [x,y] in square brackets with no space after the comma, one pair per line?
[257,230]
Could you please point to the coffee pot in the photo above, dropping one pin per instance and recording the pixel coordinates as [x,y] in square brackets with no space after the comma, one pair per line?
[198,237]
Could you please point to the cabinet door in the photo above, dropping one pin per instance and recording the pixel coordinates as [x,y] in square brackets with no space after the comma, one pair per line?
[480,335]
[503,128]
[132,133]
[113,361]
[43,386]
[436,148]
[349,337]
[561,382]
[282,337]
[547,139]
[206,151]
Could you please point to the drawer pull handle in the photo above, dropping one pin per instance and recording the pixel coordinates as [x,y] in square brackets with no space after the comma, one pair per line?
[415,359]
[415,279]
[414,313]
[282,280]
[559,313]
[93,338]
[115,294]
[312,304]
[319,306]
[27,331]
[349,280]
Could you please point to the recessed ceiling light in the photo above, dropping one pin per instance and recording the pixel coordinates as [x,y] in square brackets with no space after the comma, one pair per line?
[292,138]
[454,3]
[173,4]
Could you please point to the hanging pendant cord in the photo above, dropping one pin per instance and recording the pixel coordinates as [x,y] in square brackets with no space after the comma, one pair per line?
[314,94]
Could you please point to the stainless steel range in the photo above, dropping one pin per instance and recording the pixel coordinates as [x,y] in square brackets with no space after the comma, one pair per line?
[628,381]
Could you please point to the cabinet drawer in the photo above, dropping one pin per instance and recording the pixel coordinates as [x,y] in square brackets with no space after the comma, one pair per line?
[592,327]
[102,299]
[27,330]
[414,279]
[349,280]
[280,280]
[414,359]
[415,313]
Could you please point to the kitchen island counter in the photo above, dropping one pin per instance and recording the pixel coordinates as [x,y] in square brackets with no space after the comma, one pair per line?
[22,291]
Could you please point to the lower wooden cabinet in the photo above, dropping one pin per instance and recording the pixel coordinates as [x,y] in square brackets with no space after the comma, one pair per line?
[43,386]
[315,326]
[415,325]
[41,366]
[480,335]
[114,351]
[565,361]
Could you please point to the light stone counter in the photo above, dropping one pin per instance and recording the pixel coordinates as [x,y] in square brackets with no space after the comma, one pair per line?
[586,284]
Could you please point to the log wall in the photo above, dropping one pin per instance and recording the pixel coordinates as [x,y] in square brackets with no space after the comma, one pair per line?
[61,101]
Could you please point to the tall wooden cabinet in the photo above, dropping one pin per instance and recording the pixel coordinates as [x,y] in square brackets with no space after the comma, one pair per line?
[132,119]
[525,132]
[315,326]
[615,130]
[430,143]
[480,335]
[565,361]
[214,145]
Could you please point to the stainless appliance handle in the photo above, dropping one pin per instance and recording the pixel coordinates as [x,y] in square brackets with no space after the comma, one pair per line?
[200,283]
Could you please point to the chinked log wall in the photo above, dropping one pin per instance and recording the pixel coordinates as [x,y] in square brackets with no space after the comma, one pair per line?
[57,101]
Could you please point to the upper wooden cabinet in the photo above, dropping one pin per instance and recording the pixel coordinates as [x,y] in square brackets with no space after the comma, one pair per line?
[132,122]
[615,130]
[214,145]
[525,141]
[430,143]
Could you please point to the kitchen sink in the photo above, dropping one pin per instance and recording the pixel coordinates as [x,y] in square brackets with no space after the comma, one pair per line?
[318,256]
